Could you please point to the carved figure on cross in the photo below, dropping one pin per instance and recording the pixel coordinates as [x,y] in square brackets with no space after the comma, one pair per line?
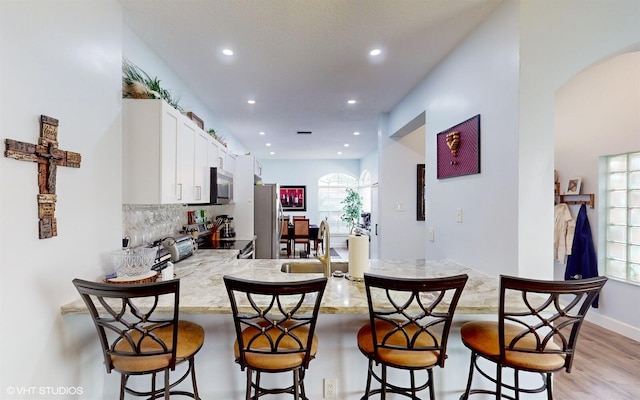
[48,157]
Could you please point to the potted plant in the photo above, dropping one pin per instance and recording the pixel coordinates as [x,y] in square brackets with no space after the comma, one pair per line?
[137,84]
[352,208]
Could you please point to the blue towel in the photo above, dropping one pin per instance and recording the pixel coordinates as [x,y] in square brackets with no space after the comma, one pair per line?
[583,261]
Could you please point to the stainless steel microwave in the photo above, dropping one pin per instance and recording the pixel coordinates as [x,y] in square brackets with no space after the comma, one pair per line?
[221,186]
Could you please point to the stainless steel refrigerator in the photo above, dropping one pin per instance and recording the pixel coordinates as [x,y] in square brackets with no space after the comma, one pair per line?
[266,223]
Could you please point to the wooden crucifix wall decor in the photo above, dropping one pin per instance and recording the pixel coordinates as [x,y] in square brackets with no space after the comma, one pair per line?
[48,157]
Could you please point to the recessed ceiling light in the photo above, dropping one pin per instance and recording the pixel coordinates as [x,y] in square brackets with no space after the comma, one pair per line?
[346,145]
[339,153]
[261,133]
[272,152]
[251,102]
[227,52]
[351,101]
[375,52]
[268,144]
[356,133]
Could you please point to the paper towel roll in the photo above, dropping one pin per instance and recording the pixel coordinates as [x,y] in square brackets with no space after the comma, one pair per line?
[358,255]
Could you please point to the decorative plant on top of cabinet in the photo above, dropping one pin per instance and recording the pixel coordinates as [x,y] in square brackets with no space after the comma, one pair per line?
[137,84]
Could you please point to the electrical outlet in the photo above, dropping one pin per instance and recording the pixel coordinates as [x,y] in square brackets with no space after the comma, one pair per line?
[459,215]
[330,388]
[432,234]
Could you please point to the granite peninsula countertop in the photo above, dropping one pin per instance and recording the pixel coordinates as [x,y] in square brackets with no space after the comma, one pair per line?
[202,290]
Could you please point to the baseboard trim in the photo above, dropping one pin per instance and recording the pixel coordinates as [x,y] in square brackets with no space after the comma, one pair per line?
[614,325]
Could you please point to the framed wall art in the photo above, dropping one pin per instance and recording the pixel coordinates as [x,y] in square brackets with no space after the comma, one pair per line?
[573,186]
[458,149]
[293,198]
[420,214]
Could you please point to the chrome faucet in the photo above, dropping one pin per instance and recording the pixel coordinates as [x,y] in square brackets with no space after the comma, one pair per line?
[325,259]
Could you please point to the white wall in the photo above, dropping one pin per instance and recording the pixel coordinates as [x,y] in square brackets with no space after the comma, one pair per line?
[478,77]
[597,113]
[62,61]
[137,51]
[370,163]
[554,46]
[306,173]
[402,234]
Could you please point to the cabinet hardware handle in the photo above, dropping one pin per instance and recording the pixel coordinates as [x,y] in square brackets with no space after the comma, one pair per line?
[179,191]
[199,197]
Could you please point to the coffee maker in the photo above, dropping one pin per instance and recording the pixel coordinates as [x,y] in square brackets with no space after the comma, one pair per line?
[227,229]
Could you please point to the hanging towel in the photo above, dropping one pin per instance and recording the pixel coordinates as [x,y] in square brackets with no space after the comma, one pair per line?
[583,262]
[563,228]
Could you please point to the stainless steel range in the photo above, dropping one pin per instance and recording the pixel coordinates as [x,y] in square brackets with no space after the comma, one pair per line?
[204,241]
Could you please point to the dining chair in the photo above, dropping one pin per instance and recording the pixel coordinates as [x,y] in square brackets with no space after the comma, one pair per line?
[141,334]
[408,329]
[275,330]
[537,332]
[284,238]
[301,234]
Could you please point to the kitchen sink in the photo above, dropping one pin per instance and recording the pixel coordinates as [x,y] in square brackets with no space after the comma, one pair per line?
[313,267]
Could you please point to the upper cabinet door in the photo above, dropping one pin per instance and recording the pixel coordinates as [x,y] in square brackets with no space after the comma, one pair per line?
[149,157]
[169,156]
[201,168]
[213,154]
[185,152]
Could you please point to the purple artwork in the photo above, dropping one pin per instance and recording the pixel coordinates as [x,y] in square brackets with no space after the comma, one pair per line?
[459,149]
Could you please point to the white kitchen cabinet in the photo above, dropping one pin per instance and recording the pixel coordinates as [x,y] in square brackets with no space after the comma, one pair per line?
[160,150]
[185,151]
[231,163]
[222,158]
[243,191]
[213,154]
[201,168]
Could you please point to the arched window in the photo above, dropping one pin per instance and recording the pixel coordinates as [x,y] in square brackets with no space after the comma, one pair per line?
[332,189]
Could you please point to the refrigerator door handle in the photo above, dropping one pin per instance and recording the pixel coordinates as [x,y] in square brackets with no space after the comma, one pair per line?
[279,222]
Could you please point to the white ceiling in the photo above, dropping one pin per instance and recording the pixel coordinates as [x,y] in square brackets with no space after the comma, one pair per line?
[301,60]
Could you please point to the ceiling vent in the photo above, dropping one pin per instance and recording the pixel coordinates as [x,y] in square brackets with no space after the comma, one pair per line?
[304,132]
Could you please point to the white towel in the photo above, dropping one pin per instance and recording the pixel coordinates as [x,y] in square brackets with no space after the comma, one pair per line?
[564,227]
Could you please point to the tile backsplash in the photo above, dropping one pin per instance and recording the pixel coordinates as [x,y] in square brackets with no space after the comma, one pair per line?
[146,223]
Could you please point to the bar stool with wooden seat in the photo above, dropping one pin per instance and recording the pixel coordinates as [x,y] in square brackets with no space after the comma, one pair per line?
[537,331]
[301,234]
[136,340]
[408,329]
[275,329]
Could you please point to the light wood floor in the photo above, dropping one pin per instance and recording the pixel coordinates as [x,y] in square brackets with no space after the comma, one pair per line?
[606,366]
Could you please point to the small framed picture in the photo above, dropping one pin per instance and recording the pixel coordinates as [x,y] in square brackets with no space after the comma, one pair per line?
[293,198]
[573,186]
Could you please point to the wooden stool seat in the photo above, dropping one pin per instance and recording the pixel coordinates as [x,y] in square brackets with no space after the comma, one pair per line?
[482,337]
[269,361]
[400,357]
